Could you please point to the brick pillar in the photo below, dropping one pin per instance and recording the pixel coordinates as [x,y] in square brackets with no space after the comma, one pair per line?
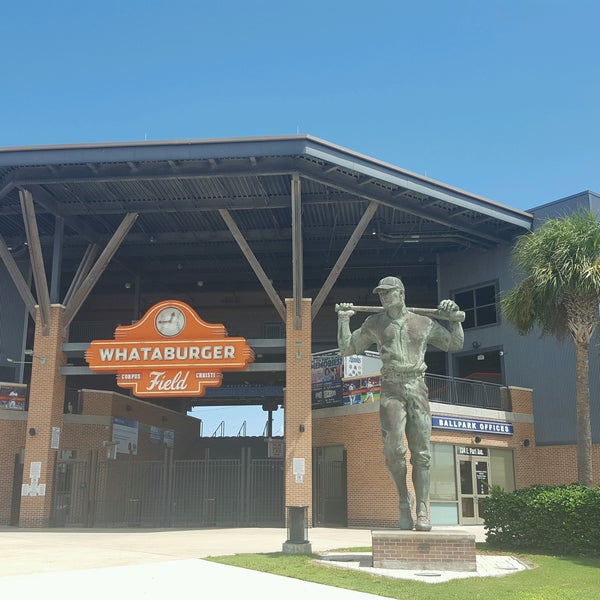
[298,415]
[46,402]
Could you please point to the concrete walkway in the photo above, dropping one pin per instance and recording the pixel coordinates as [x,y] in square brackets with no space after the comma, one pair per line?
[100,563]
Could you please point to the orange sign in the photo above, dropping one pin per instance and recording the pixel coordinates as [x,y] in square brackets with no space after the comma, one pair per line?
[170,351]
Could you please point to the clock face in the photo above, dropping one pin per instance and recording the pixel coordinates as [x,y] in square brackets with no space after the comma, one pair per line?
[169,321]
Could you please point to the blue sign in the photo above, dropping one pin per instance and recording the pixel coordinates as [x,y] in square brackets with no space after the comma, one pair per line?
[471,425]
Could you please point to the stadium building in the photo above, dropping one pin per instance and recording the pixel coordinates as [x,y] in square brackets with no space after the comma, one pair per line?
[133,272]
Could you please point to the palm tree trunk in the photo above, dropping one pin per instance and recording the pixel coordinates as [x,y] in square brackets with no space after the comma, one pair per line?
[584,426]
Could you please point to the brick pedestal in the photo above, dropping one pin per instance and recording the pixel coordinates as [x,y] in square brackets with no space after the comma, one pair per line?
[439,550]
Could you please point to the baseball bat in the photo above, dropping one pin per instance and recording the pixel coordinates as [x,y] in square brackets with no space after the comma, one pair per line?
[432,313]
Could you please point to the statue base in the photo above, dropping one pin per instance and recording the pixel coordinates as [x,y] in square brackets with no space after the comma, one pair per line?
[411,550]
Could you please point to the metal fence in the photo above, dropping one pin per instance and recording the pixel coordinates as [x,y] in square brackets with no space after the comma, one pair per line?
[169,493]
[467,392]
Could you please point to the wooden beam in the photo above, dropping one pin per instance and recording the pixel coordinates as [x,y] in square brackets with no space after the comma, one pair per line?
[6,185]
[343,258]
[297,255]
[251,258]
[78,298]
[59,238]
[36,257]
[74,222]
[83,269]
[17,277]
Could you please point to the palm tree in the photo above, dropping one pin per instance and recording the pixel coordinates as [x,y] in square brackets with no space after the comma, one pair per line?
[559,263]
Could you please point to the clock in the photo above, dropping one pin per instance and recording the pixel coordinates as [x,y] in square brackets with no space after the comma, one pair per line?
[170,321]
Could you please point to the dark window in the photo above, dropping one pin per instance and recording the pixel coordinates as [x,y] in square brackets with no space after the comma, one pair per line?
[479,305]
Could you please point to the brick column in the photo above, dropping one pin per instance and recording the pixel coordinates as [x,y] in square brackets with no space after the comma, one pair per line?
[298,415]
[46,402]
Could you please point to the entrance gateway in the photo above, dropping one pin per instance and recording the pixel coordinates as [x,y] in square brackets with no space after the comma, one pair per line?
[183,217]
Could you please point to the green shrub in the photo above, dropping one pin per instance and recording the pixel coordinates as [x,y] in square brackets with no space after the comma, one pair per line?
[562,519]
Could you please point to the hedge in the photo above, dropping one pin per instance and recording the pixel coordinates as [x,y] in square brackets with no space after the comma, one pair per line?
[562,520]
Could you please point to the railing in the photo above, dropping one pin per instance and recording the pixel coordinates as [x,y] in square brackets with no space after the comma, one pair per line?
[467,392]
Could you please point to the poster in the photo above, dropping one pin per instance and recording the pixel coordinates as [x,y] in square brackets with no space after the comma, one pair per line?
[125,432]
[326,380]
[13,396]
[362,390]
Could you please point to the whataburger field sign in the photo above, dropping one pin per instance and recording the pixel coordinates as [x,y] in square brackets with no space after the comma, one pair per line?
[170,351]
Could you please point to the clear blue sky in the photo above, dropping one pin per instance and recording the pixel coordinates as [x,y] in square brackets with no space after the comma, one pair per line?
[500,98]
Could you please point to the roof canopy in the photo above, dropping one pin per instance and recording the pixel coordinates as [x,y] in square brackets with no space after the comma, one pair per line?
[182,190]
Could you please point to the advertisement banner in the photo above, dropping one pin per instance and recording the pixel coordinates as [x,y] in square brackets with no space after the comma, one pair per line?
[326,380]
[362,390]
[125,433]
[13,396]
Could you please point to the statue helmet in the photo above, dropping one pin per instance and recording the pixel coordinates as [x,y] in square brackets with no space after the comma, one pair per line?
[389,283]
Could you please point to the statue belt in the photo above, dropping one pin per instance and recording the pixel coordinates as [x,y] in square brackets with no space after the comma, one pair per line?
[402,376]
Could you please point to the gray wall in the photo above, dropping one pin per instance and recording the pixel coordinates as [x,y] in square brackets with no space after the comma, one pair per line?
[543,364]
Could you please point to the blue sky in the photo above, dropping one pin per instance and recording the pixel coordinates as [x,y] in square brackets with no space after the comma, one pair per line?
[500,98]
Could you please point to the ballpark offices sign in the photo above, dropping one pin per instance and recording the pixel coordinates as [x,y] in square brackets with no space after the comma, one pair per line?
[170,351]
[471,425]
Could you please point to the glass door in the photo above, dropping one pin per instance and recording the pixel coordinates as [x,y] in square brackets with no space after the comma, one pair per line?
[474,483]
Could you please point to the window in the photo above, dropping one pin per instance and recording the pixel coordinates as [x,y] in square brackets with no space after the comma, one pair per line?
[503,469]
[443,482]
[479,305]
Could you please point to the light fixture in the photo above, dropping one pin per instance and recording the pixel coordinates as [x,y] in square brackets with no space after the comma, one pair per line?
[127,285]
[476,345]
[302,428]
[476,440]
[199,283]
[26,362]
[526,442]
[32,431]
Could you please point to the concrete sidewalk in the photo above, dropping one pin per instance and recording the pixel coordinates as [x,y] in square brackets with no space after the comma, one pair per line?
[102,563]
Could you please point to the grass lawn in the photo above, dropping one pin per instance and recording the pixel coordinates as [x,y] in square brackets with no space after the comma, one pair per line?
[552,578]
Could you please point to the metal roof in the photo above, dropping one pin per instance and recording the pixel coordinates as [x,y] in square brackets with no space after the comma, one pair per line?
[178,187]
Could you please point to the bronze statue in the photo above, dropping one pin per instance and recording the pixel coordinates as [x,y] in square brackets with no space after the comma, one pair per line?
[401,335]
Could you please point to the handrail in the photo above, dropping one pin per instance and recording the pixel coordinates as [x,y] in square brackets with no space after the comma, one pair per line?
[467,392]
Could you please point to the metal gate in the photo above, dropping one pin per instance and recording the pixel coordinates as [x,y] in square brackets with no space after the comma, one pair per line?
[15,505]
[330,505]
[169,493]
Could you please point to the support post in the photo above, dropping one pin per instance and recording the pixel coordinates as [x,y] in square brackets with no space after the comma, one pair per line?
[44,421]
[297,258]
[298,414]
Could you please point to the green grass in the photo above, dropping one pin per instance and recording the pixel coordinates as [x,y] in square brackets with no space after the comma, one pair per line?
[552,578]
